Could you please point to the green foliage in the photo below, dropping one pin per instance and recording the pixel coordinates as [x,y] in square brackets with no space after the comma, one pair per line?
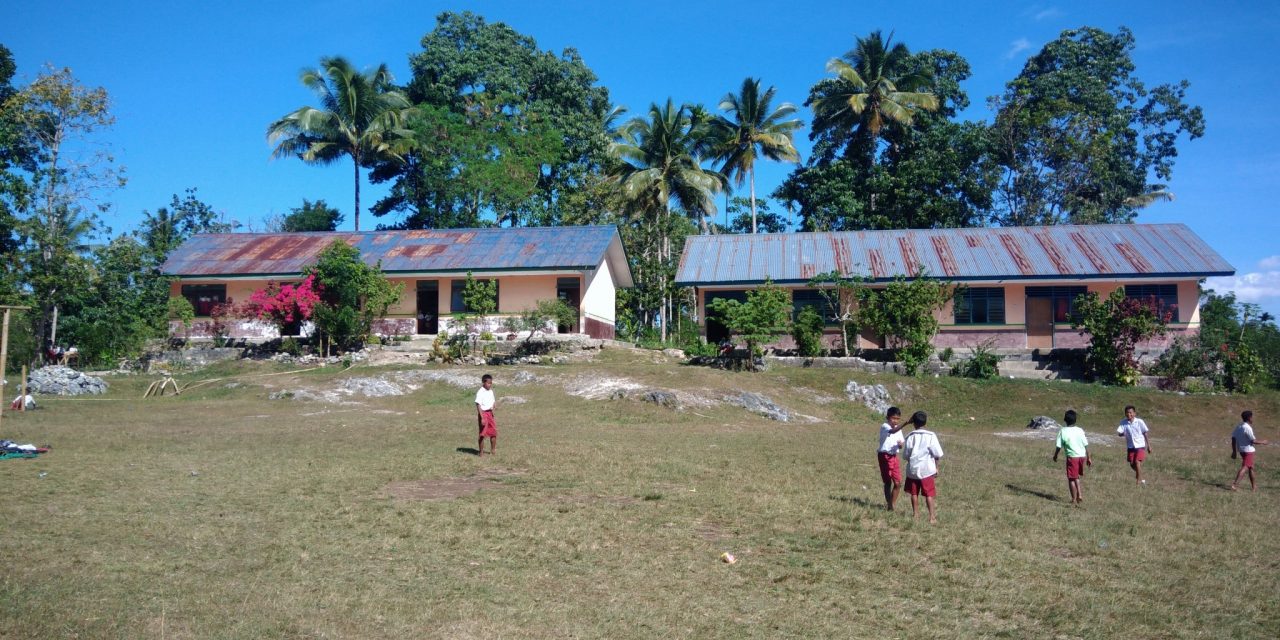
[163,231]
[842,294]
[983,363]
[903,312]
[1238,347]
[752,129]
[353,294]
[546,315]
[480,296]
[807,331]
[1077,134]
[123,304]
[739,215]
[180,309]
[1115,326]
[764,316]
[312,216]
[290,346]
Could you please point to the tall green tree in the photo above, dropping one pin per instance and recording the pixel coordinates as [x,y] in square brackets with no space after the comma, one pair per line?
[660,167]
[1079,137]
[751,130]
[874,87]
[312,216]
[168,227]
[17,159]
[359,118]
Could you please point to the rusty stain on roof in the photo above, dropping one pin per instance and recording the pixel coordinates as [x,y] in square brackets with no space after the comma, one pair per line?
[910,260]
[878,268]
[945,257]
[1140,263]
[1090,252]
[1055,256]
[1015,252]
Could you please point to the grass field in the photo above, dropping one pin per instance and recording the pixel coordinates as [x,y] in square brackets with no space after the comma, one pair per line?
[223,514]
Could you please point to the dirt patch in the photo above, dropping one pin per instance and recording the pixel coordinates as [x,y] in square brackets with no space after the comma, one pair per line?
[711,531]
[1101,439]
[449,488]
[583,500]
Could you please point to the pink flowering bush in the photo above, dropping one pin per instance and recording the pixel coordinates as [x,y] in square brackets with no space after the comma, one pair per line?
[286,306]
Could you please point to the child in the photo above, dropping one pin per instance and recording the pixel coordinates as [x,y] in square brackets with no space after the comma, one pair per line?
[1134,430]
[887,455]
[484,416]
[1242,440]
[922,451]
[1072,439]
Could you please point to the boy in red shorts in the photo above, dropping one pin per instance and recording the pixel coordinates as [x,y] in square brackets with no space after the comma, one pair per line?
[1242,440]
[1134,430]
[1072,439]
[922,452]
[887,455]
[484,415]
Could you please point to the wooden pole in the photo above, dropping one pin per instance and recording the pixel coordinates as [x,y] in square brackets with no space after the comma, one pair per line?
[23,405]
[4,358]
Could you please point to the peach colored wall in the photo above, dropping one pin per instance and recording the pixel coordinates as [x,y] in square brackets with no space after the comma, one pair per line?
[238,291]
[1189,302]
[516,294]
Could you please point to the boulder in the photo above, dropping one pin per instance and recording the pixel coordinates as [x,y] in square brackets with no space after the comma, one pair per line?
[58,380]
[758,404]
[1043,422]
[873,396]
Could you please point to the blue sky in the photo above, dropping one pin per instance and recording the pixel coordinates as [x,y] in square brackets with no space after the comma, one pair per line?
[194,85]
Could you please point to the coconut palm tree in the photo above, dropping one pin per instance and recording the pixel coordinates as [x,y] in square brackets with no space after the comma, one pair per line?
[359,117]
[660,164]
[873,88]
[751,130]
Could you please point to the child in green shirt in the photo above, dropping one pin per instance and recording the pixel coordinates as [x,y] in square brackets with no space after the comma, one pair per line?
[1072,439]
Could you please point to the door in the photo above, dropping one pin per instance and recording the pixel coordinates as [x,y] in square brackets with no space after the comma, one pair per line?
[569,291]
[1039,323]
[428,307]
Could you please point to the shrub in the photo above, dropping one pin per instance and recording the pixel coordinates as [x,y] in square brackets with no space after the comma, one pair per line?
[180,309]
[983,364]
[290,346]
[1243,369]
[352,294]
[947,354]
[807,331]
[902,312]
[764,316]
[286,306]
[1115,326]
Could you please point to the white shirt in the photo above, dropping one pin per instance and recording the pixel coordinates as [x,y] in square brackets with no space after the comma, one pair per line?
[1134,432]
[1243,435]
[889,442]
[922,449]
[484,398]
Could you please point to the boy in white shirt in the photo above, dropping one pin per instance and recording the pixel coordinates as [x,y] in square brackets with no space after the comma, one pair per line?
[887,455]
[1242,440]
[484,415]
[1134,430]
[922,450]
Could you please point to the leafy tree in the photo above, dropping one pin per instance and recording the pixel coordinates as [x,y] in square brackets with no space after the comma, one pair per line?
[166,229]
[52,115]
[120,306]
[763,317]
[841,292]
[17,158]
[506,97]
[359,118]
[1078,135]
[903,312]
[1115,326]
[660,165]
[739,212]
[480,296]
[312,216]
[544,316]
[352,295]
[807,332]
[180,309]
[752,130]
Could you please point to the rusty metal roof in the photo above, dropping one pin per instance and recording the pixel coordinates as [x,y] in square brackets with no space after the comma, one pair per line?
[444,250]
[994,253]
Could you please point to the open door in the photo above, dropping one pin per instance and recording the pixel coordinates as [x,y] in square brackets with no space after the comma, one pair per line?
[428,307]
[1039,323]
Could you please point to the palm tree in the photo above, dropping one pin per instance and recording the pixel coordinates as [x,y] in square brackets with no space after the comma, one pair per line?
[660,162]
[359,117]
[753,131]
[1154,193]
[872,89]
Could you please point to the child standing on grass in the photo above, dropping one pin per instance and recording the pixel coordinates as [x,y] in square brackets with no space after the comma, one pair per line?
[484,416]
[922,451]
[887,455]
[1242,440]
[1072,439]
[1134,430]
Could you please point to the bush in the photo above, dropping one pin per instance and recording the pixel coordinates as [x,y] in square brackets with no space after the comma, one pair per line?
[290,346]
[807,331]
[902,312]
[1243,369]
[983,364]
[947,354]
[764,316]
[352,294]
[1115,326]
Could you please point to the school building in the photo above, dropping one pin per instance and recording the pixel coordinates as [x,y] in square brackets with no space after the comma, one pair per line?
[1020,283]
[584,266]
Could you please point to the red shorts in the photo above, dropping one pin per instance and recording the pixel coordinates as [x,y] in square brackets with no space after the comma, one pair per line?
[917,486]
[488,427]
[1075,468]
[889,470]
[1137,455]
[1246,460]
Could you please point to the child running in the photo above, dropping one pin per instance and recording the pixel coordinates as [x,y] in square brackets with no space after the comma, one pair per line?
[484,416]
[887,456]
[1134,430]
[922,451]
[1242,440]
[1072,439]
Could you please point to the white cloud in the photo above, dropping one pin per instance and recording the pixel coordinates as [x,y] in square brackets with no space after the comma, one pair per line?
[1259,286]
[1016,47]
[1051,12]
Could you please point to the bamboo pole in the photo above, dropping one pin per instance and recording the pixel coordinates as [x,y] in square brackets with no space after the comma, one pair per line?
[22,406]
[4,352]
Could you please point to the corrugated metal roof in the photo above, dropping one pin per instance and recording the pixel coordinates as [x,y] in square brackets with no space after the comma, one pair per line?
[242,254]
[993,253]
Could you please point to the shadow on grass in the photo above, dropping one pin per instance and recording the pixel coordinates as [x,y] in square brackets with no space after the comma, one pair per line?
[861,502]
[471,451]
[1031,492]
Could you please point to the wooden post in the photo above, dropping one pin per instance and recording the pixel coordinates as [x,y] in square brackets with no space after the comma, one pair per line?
[4,352]
[22,406]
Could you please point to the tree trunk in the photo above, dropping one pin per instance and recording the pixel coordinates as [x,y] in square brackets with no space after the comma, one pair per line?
[665,257]
[356,217]
[753,200]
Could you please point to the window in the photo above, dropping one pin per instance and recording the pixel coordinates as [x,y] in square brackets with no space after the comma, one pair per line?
[456,304]
[979,305]
[801,298]
[1164,295]
[1064,300]
[204,297]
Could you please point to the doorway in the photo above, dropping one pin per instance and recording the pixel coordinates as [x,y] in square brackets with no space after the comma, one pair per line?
[569,291]
[1039,323]
[428,307]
